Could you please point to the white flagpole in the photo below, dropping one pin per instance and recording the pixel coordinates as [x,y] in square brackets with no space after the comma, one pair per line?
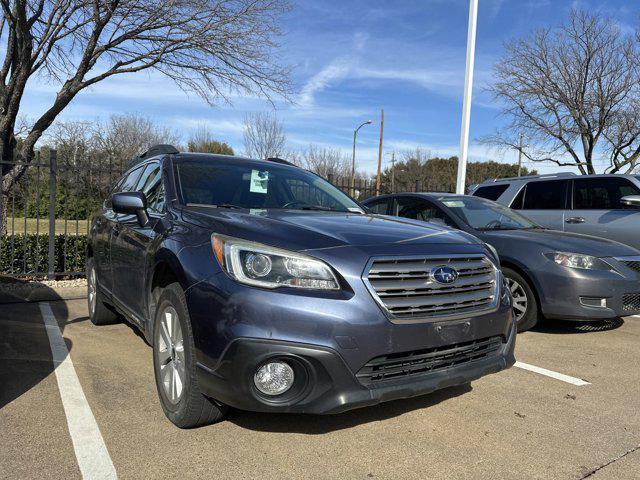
[466,103]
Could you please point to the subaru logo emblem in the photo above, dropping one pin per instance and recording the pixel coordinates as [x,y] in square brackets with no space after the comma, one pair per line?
[444,274]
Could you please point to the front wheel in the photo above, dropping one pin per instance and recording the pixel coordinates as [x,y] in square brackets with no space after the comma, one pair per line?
[525,305]
[175,364]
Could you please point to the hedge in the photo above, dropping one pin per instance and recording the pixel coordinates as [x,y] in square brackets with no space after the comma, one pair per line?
[30,253]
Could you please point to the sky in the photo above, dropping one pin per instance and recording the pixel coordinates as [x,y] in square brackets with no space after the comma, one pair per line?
[351,58]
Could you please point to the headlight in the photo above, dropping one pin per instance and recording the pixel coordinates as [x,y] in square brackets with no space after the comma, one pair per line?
[264,266]
[576,260]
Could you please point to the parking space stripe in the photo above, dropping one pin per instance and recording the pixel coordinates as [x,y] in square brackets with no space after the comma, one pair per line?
[91,452]
[550,373]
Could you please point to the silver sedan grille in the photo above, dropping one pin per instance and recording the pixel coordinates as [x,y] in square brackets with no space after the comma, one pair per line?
[412,289]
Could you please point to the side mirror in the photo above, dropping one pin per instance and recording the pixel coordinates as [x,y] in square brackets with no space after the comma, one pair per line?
[631,201]
[131,203]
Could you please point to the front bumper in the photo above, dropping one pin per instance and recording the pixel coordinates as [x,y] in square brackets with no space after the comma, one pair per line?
[327,384]
[564,292]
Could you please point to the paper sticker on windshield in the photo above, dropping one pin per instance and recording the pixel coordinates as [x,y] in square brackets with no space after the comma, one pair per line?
[454,203]
[259,181]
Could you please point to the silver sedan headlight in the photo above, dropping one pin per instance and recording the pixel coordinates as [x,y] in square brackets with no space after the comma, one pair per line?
[578,260]
[269,267]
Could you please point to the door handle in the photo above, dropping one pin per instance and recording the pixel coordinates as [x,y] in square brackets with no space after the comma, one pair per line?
[575,220]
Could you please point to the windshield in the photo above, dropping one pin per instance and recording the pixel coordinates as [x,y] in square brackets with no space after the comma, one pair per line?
[257,185]
[484,214]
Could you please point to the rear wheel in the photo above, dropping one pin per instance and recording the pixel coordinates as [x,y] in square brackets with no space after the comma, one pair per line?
[525,305]
[99,311]
[175,364]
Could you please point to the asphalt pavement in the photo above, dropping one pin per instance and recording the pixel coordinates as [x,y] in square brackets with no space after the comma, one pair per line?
[577,418]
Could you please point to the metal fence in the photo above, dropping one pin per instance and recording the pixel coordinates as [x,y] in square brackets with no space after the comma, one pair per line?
[48,209]
[364,188]
[47,212]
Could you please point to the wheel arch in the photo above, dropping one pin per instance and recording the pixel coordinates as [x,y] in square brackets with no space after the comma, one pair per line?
[524,274]
[165,271]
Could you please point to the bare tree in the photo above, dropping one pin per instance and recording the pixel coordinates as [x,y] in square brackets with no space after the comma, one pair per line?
[264,135]
[574,92]
[211,47]
[325,161]
[117,141]
[203,141]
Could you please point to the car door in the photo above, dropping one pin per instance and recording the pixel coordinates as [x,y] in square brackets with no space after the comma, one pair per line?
[103,229]
[544,202]
[131,242]
[596,209]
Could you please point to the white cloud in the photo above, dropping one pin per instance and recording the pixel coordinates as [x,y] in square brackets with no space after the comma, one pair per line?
[336,70]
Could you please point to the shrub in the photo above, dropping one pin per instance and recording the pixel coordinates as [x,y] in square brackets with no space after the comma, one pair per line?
[28,254]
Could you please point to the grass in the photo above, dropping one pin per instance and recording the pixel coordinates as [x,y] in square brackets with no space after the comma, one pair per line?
[32,226]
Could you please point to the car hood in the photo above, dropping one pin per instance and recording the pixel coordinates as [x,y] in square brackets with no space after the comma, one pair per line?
[302,230]
[556,241]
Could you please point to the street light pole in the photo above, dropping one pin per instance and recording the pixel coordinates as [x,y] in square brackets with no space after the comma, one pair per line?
[466,103]
[353,158]
[520,156]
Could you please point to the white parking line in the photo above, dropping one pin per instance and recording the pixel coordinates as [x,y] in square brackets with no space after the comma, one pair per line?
[550,373]
[91,452]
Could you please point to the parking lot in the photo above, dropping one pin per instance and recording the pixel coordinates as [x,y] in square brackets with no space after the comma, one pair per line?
[515,424]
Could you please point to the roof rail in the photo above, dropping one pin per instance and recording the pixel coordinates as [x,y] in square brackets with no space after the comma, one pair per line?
[280,160]
[546,175]
[154,151]
[159,150]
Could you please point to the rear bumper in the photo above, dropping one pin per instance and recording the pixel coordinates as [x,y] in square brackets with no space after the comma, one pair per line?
[324,383]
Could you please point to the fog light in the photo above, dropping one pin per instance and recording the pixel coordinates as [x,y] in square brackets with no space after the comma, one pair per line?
[593,302]
[274,378]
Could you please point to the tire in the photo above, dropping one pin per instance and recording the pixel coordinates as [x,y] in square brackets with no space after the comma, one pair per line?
[99,311]
[174,364]
[520,287]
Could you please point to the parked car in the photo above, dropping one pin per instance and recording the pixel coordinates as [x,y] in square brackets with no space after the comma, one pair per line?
[557,274]
[263,287]
[606,206]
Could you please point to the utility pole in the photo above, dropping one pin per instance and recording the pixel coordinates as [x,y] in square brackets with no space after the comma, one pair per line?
[520,156]
[393,171]
[466,103]
[380,151]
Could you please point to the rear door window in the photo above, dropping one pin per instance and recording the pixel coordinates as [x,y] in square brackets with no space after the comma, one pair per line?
[601,193]
[419,209]
[381,206]
[547,195]
[491,192]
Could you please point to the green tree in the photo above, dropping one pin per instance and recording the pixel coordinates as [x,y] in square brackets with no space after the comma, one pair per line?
[439,174]
[210,146]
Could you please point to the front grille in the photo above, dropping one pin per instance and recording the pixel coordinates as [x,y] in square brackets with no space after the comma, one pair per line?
[407,289]
[631,302]
[421,362]
[632,264]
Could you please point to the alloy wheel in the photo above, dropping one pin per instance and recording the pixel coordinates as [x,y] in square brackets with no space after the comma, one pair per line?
[519,296]
[170,354]
[92,291]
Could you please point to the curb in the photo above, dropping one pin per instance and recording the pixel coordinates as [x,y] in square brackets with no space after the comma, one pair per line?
[41,294]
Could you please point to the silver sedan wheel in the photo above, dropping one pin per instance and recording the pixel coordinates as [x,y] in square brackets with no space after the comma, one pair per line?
[170,354]
[92,291]
[519,299]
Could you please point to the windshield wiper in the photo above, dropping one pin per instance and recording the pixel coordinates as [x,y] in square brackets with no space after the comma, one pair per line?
[500,227]
[315,207]
[219,205]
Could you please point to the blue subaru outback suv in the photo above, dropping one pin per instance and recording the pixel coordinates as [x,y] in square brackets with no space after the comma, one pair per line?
[262,287]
